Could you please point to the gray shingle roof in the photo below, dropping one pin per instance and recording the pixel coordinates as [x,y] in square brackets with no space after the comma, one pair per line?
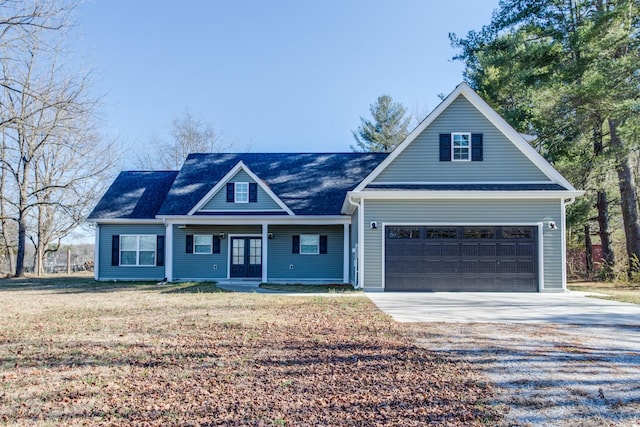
[134,195]
[468,187]
[308,183]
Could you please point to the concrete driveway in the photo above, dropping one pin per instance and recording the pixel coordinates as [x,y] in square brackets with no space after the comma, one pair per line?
[475,307]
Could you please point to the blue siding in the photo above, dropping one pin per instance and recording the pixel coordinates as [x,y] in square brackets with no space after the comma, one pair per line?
[459,212]
[109,272]
[502,161]
[219,201]
[325,267]
[205,266]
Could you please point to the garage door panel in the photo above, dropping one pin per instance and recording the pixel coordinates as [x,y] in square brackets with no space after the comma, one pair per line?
[462,259]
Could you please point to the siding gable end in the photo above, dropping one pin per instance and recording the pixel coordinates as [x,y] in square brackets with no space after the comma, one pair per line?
[260,198]
[500,155]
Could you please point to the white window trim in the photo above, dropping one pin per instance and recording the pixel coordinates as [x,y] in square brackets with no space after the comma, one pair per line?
[137,264]
[317,252]
[210,238]
[453,159]
[235,192]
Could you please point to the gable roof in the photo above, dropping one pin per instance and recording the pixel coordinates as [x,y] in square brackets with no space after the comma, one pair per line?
[134,195]
[518,140]
[307,183]
[240,166]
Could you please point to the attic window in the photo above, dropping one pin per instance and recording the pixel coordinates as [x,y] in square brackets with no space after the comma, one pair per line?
[242,192]
[461,146]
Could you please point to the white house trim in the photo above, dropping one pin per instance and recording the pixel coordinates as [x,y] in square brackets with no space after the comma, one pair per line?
[229,175]
[454,195]
[96,254]
[168,248]
[346,254]
[516,138]
[256,220]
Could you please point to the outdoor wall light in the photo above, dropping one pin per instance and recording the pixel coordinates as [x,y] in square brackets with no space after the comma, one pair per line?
[374,225]
[270,235]
[552,225]
[221,236]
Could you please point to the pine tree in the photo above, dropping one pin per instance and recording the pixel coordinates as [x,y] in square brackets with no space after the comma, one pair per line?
[386,131]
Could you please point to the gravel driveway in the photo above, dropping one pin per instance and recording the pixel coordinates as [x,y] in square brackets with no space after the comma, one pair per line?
[544,373]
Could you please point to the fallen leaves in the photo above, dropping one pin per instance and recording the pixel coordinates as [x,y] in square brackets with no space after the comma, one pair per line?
[227,359]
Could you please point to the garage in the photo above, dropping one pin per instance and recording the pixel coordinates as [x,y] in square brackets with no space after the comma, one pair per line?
[461,258]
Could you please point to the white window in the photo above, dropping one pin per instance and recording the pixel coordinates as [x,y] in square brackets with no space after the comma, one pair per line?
[202,243]
[138,250]
[309,244]
[461,146]
[242,192]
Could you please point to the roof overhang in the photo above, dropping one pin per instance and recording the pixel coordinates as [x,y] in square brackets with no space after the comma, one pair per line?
[252,220]
[124,221]
[353,196]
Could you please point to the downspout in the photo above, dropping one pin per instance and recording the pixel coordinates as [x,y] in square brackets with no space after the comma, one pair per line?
[565,203]
[356,273]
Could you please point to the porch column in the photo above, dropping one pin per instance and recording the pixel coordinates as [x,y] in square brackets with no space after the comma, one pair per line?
[96,254]
[345,255]
[265,251]
[168,258]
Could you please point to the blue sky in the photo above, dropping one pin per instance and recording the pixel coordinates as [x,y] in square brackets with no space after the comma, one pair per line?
[274,76]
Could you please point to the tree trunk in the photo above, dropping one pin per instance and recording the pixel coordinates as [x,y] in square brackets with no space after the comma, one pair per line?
[628,201]
[602,205]
[608,256]
[588,251]
[22,242]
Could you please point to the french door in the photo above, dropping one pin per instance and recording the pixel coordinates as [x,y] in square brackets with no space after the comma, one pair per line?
[246,257]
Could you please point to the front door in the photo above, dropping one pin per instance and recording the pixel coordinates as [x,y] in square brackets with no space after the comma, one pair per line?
[246,257]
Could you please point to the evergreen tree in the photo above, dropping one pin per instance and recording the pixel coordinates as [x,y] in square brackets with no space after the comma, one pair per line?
[386,131]
[568,72]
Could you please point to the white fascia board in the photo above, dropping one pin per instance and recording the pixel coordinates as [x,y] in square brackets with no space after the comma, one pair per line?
[516,138]
[252,220]
[426,194]
[125,221]
[229,175]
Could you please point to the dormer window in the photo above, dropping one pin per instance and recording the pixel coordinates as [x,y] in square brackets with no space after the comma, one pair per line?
[461,146]
[242,192]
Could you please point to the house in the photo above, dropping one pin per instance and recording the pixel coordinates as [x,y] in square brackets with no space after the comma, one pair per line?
[463,204]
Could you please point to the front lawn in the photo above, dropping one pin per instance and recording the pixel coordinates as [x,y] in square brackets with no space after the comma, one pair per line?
[147,354]
[623,292]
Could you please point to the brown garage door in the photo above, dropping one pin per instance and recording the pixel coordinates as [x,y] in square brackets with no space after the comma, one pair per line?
[461,258]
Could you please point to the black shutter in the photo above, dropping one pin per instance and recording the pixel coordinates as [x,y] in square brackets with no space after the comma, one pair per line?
[216,244]
[160,251]
[476,147]
[231,189]
[189,248]
[295,244]
[323,244]
[115,250]
[253,192]
[445,147]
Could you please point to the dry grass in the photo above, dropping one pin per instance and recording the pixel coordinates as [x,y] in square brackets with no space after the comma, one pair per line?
[73,352]
[623,292]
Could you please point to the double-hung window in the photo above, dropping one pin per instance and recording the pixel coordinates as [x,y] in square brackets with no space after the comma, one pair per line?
[138,250]
[309,244]
[202,243]
[242,192]
[461,146]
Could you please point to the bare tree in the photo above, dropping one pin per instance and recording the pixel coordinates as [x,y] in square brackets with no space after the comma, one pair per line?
[52,161]
[188,134]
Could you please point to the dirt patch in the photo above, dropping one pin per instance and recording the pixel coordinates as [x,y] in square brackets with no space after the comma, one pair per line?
[549,374]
